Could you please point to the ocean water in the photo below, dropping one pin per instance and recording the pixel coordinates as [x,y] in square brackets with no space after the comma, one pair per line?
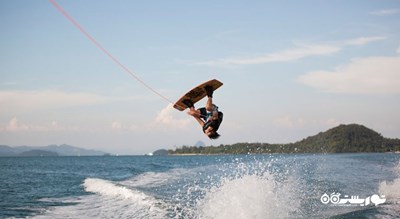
[240,186]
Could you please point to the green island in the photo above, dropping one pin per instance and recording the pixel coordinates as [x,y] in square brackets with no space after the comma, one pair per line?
[352,138]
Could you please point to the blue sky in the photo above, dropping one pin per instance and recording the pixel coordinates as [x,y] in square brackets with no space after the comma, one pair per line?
[290,70]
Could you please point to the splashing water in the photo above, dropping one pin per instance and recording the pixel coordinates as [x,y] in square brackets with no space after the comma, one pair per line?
[391,190]
[240,189]
[250,196]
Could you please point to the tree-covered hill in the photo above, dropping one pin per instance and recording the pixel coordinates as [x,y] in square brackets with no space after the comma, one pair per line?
[345,138]
[341,139]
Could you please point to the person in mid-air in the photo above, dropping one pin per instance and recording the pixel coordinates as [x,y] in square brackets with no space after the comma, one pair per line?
[208,117]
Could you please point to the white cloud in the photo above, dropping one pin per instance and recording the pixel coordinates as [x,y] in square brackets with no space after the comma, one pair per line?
[372,75]
[289,122]
[119,126]
[116,125]
[55,124]
[385,12]
[299,52]
[166,117]
[363,40]
[282,56]
[14,125]
[332,122]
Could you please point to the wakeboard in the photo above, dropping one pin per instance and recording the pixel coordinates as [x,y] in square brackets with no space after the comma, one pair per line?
[197,93]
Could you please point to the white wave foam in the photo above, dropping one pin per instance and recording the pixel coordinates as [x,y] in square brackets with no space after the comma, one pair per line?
[104,187]
[249,196]
[109,200]
[138,199]
[154,179]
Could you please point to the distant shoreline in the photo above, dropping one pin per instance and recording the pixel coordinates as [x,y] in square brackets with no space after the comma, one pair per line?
[188,154]
[390,152]
[47,151]
[353,138]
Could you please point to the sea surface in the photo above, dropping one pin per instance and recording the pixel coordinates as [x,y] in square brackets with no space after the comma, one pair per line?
[219,186]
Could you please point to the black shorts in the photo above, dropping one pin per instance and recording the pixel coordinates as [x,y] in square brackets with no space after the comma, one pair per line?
[204,114]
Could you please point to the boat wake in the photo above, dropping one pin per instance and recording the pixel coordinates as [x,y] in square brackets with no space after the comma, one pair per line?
[238,189]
